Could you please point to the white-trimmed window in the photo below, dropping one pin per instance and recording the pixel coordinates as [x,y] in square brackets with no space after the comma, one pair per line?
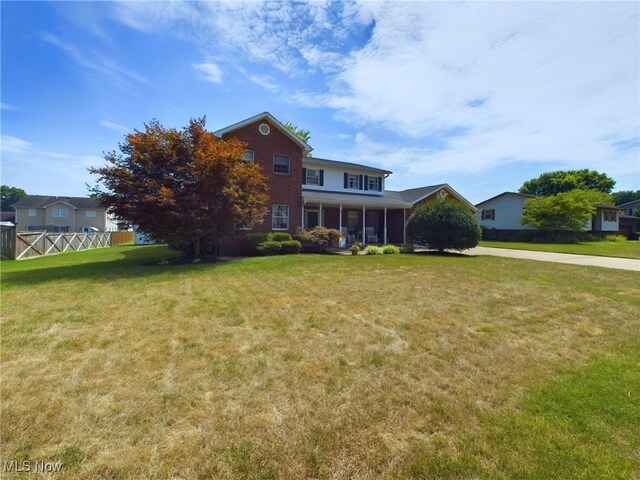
[249,155]
[353,181]
[313,176]
[32,212]
[60,212]
[373,183]
[610,215]
[280,217]
[489,214]
[281,164]
[91,213]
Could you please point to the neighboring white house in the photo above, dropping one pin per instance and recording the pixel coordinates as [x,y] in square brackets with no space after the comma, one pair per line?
[503,212]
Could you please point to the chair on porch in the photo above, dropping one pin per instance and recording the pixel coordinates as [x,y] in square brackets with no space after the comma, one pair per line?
[349,237]
[370,235]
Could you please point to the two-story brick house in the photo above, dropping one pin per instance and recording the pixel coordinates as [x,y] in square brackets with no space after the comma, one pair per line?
[307,191]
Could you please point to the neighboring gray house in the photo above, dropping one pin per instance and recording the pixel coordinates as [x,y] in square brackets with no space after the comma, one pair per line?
[503,212]
[502,215]
[630,207]
[62,214]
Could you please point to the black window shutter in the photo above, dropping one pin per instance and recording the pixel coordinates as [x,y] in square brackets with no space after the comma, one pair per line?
[322,178]
[304,176]
[360,179]
[379,184]
[366,182]
[346,180]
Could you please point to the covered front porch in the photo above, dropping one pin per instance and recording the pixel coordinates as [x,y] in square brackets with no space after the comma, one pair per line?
[361,219]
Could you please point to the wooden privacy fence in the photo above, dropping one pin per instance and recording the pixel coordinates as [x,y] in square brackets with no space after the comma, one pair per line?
[118,238]
[36,244]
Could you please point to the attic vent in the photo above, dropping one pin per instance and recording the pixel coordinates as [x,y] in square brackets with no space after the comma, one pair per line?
[264,129]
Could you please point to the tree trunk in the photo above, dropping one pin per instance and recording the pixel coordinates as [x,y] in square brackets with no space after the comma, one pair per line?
[196,246]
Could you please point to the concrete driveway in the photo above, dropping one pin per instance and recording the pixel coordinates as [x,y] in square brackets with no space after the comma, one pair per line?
[574,259]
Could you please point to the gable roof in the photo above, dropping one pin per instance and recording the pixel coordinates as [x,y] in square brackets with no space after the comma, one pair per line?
[338,163]
[526,195]
[43,201]
[8,216]
[632,203]
[263,116]
[414,195]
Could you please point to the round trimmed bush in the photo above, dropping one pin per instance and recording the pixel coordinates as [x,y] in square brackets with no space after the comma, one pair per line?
[269,248]
[291,246]
[280,236]
[444,224]
[390,249]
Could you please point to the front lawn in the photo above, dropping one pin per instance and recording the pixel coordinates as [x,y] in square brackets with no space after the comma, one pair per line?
[622,249]
[312,366]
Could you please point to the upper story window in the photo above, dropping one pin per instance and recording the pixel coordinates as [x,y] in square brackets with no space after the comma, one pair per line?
[489,214]
[249,155]
[313,176]
[610,216]
[32,212]
[353,181]
[91,213]
[373,183]
[281,164]
[60,212]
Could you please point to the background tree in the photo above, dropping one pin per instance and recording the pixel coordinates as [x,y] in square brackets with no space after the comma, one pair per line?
[625,196]
[444,224]
[302,134]
[186,188]
[566,180]
[9,196]
[564,211]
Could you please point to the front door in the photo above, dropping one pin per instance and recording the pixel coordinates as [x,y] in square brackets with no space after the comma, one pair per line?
[312,219]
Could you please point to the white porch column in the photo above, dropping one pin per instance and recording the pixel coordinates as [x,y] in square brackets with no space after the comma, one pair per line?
[385,225]
[404,226]
[320,219]
[340,215]
[303,215]
[364,211]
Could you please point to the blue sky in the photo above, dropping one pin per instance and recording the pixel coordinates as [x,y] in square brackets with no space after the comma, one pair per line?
[482,96]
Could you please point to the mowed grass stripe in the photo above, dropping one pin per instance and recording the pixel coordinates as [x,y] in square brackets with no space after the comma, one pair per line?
[401,366]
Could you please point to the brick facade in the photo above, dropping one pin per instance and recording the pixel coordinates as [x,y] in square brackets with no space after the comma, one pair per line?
[284,189]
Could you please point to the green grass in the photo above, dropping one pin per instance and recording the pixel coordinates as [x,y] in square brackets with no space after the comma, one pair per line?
[312,366]
[622,249]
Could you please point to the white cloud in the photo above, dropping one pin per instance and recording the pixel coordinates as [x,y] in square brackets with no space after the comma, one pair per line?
[7,106]
[97,63]
[265,81]
[462,86]
[14,145]
[209,71]
[546,82]
[291,37]
[114,126]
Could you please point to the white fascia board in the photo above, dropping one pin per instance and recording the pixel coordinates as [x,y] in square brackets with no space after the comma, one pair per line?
[263,116]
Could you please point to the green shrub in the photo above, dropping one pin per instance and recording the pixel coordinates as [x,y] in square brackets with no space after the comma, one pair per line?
[290,246]
[390,249]
[269,248]
[373,250]
[615,238]
[280,236]
[251,241]
[406,248]
[444,224]
[318,236]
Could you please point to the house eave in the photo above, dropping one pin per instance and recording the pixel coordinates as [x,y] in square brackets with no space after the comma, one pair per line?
[263,116]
